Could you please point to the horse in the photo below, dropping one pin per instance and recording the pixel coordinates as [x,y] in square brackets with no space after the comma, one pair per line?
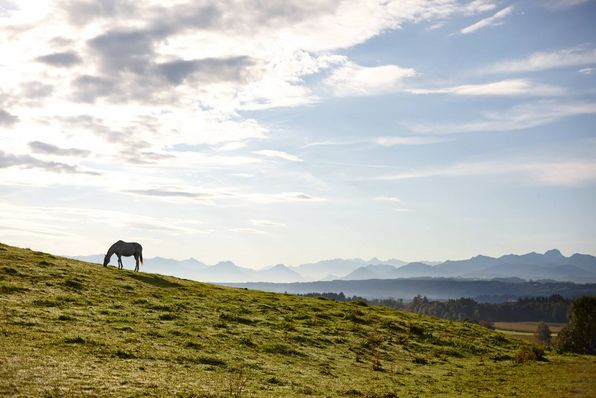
[126,249]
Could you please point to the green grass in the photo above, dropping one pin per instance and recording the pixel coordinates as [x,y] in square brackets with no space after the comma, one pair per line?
[69,328]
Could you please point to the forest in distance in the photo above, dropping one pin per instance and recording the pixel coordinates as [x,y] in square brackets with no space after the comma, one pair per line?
[554,308]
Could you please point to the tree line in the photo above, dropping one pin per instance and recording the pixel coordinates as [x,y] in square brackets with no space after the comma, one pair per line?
[530,309]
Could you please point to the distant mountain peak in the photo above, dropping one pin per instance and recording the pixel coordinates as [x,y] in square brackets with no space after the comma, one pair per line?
[481,257]
[222,264]
[553,253]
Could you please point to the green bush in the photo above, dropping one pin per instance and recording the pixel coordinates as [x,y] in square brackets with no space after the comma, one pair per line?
[542,334]
[579,336]
[529,353]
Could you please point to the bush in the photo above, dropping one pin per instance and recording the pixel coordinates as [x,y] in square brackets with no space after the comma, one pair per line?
[542,334]
[579,336]
[529,353]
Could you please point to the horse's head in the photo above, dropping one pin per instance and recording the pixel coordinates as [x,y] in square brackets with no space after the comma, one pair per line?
[106,260]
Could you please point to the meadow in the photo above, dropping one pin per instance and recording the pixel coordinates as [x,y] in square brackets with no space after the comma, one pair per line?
[525,330]
[70,328]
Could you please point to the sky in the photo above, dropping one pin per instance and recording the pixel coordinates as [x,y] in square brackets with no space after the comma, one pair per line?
[295,131]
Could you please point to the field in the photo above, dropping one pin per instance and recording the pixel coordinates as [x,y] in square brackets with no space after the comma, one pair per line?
[527,327]
[69,328]
[525,330]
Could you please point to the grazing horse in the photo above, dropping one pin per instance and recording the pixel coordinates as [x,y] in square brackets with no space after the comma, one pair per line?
[126,249]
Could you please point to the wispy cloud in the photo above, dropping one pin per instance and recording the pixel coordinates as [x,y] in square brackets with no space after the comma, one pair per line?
[406,140]
[556,5]
[43,147]
[392,199]
[386,141]
[509,87]
[517,118]
[278,154]
[586,71]
[213,196]
[248,231]
[266,223]
[27,161]
[545,60]
[352,79]
[57,220]
[571,172]
[494,20]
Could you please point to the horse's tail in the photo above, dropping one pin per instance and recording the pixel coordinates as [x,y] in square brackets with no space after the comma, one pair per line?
[141,256]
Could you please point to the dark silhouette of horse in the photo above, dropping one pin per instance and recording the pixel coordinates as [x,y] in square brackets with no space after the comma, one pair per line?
[126,249]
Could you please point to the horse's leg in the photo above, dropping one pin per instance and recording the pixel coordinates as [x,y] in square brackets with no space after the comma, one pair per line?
[137,261]
[120,266]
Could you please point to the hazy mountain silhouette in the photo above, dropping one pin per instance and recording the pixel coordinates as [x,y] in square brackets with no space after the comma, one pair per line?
[224,271]
[551,265]
[339,267]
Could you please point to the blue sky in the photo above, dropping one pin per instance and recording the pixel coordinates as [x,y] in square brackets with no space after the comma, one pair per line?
[289,132]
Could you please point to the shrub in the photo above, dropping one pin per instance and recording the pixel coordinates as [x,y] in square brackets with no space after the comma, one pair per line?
[542,334]
[579,335]
[529,353]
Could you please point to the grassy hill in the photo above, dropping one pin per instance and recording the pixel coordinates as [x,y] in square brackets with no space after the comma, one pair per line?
[70,328]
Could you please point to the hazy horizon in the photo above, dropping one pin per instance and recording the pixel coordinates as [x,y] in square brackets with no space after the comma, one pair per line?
[294,265]
[291,132]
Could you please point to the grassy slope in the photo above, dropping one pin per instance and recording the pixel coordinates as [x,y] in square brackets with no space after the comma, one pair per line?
[74,328]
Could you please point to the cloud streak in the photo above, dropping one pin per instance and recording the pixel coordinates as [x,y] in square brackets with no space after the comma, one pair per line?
[278,154]
[494,20]
[519,117]
[27,161]
[509,87]
[62,59]
[45,148]
[572,172]
[545,60]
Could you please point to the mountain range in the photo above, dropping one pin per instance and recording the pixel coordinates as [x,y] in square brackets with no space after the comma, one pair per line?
[552,265]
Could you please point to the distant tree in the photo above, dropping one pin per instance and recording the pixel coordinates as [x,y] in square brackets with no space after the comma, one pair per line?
[542,333]
[579,335]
